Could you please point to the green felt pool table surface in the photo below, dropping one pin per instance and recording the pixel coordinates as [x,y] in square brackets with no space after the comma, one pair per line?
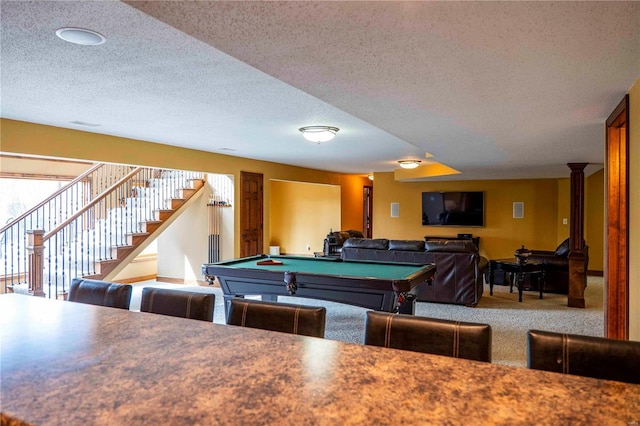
[383,286]
[327,266]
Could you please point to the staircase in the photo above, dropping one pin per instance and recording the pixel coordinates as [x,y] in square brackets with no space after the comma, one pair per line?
[92,227]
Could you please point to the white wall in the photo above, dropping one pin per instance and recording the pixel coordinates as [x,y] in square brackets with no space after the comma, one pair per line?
[182,258]
[145,265]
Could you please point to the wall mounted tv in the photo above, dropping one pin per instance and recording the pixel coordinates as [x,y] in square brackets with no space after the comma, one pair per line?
[453,208]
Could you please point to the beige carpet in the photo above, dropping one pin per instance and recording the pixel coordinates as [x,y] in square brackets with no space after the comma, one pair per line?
[508,318]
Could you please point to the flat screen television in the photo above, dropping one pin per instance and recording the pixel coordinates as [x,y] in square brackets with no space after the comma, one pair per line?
[462,208]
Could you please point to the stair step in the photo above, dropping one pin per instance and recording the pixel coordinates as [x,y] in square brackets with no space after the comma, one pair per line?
[150,226]
[186,193]
[137,238]
[176,203]
[120,252]
[164,214]
[103,267]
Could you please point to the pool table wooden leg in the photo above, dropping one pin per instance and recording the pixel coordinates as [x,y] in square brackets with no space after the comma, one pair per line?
[227,302]
[406,303]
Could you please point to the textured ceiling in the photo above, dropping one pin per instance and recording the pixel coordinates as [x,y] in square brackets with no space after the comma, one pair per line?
[492,89]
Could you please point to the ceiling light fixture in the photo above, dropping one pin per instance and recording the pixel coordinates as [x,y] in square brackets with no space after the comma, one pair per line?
[409,164]
[81,36]
[319,133]
[85,123]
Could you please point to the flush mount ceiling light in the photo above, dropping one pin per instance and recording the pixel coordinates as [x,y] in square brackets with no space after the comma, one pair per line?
[81,36]
[319,133]
[409,164]
[85,123]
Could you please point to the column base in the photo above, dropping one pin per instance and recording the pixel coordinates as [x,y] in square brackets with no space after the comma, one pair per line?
[574,302]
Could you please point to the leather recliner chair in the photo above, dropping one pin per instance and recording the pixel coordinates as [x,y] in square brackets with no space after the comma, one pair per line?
[334,241]
[556,267]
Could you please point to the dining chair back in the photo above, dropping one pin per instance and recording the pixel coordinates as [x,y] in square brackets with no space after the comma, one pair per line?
[283,317]
[178,303]
[429,335]
[588,356]
[101,293]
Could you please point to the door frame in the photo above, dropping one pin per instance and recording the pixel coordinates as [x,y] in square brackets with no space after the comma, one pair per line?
[616,277]
[367,211]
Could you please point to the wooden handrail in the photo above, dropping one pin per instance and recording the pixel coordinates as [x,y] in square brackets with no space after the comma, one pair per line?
[93,202]
[52,196]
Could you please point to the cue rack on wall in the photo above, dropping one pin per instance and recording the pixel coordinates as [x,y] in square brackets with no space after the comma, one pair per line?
[217,201]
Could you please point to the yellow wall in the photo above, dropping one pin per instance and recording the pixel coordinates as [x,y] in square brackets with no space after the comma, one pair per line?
[301,215]
[594,219]
[564,210]
[35,139]
[500,236]
[634,212]
[352,208]
[545,200]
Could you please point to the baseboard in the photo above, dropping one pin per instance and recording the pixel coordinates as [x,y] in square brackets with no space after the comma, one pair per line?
[136,279]
[183,281]
[595,273]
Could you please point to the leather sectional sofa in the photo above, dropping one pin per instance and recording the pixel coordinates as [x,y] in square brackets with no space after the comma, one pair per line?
[459,267]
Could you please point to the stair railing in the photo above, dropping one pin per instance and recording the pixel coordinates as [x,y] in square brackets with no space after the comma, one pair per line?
[48,214]
[47,252]
[71,251]
[89,242]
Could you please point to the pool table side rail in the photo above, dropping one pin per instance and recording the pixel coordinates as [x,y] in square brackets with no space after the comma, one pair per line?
[414,269]
[417,277]
[367,292]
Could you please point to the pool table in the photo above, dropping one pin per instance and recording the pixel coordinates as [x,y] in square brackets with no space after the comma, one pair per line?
[381,286]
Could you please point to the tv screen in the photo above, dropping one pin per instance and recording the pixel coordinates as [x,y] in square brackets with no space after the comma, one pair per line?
[453,208]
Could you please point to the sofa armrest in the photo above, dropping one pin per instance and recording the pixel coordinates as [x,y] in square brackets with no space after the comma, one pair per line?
[483,263]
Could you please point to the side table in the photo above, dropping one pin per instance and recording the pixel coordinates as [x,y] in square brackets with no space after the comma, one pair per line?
[512,266]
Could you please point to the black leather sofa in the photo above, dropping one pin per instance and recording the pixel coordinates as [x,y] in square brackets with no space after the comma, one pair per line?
[459,267]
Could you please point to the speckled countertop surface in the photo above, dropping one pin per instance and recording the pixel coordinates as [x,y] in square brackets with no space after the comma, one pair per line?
[74,364]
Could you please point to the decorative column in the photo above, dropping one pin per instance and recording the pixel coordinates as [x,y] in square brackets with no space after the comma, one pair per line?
[35,248]
[577,264]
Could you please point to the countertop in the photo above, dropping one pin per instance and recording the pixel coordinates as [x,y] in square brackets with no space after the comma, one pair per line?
[75,364]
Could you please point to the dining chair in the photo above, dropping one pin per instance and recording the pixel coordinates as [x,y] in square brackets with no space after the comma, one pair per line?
[178,303]
[283,317]
[588,356]
[101,293]
[429,335]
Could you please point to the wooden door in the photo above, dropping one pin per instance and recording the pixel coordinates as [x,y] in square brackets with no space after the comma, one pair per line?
[367,211]
[251,218]
[616,283]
